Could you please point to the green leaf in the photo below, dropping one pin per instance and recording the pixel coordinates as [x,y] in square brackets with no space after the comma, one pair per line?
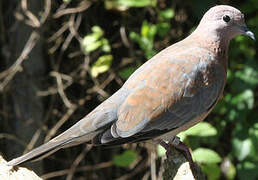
[137,3]
[242,148]
[125,159]
[126,72]
[167,13]
[105,45]
[163,29]
[253,133]
[97,30]
[145,29]
[204,155]
[202,129]
[89,45]
[228,169]
[247,170]
[101,65]
[212,171]
[161,151]
[134,36]
[93,41]
[122,5]
[244,100]
[249,74]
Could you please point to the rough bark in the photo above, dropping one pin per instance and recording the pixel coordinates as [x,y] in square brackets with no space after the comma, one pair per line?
[176,167]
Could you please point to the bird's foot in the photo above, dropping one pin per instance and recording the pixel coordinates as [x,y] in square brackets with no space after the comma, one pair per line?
[180,146]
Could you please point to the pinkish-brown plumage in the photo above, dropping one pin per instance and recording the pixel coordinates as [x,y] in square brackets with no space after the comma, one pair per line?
[171,92]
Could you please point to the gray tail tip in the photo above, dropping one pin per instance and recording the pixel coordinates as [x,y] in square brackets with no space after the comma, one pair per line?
[12,162]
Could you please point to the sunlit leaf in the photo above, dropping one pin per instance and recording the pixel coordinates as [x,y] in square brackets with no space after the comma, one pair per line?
[137,3]
[90,46]
[101,65]
[200,129]
[145,29]
[67,1]
[105,45]
[204,155]
[228,169]
[92,41]
[125,159]
[242,148]
[244,100]
[122,5]
[167,13]
[161,151]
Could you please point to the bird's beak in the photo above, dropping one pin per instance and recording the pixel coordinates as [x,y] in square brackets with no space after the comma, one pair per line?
[247,32]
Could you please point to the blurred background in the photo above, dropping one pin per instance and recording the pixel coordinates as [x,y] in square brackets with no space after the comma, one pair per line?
[60,59]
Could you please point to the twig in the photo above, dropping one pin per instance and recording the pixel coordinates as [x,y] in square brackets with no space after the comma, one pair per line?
[33,20]
[73,27]
[65,117]
[60,89]
[82,7]
[33,39]
[124,36]
[73,31]
[153,164]
[161,169]
[146,175]
[139,168]
[52,90]
[46,12]
[33,141]
[11,71]
[107,80]
[59,32]
[79,169]
[12,137]
[76,162]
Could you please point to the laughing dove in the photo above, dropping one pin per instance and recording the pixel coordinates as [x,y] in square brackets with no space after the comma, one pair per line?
[171,92]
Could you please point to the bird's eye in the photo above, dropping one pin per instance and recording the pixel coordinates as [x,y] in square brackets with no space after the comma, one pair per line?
[226,18]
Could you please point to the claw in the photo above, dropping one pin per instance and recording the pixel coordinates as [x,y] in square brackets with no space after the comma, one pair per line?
[180,146]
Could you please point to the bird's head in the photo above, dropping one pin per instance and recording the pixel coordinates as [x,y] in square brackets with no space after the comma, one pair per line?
[225,22]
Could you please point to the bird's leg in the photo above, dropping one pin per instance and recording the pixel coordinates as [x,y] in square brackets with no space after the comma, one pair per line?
[180,146]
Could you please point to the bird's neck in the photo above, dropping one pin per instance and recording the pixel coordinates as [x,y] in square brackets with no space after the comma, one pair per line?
[214,42]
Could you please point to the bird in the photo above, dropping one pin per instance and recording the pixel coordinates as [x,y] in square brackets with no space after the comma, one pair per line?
[169,93]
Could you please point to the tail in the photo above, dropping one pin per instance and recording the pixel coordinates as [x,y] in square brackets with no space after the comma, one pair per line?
[83,131]
[37,153]
[61,141]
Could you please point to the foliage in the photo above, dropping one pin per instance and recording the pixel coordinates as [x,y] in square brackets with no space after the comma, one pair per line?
[113,38]
[125,159]
[148,32]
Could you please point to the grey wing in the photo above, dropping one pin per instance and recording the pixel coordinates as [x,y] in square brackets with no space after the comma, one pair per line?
[191,106]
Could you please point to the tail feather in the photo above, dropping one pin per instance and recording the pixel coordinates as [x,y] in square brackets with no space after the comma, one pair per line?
[83,131]
[64,140]
[38,153]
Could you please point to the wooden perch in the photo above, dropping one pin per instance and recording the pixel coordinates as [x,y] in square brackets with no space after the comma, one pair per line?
[19,173]
[176,167]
